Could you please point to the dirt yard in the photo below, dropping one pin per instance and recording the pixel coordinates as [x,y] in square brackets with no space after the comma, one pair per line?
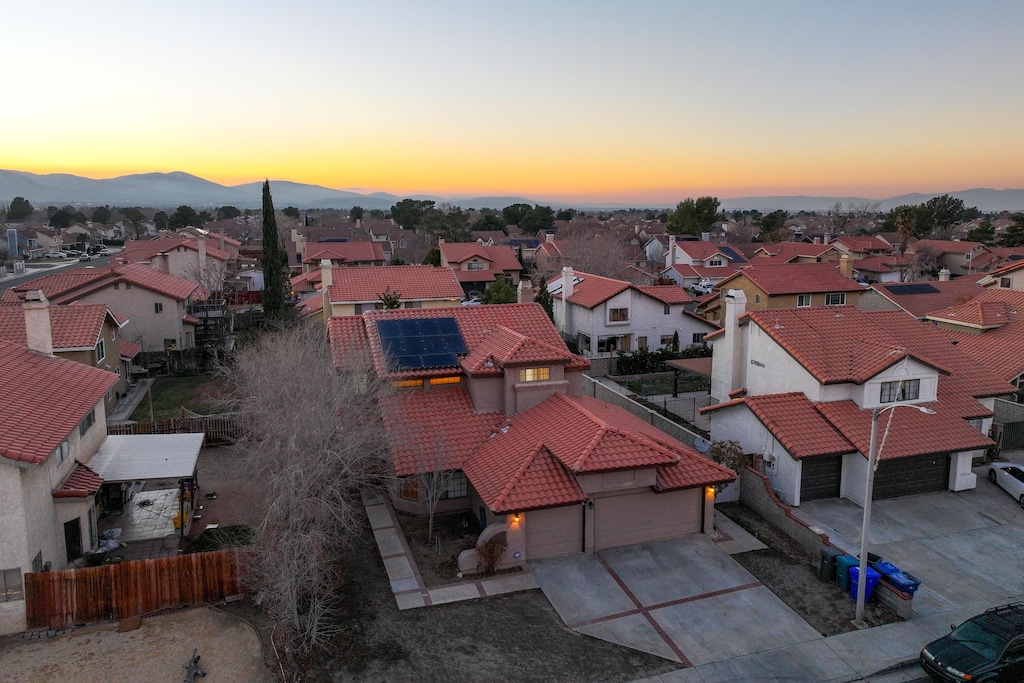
[787,569]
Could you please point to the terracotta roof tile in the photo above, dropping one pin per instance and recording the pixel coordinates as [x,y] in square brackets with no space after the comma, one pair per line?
[127,349]
[798,278]
[518,484]
[867,243]
[668,294]
[921,303]
[144,250]
[1000,350]
[692,471]
[592,290]
[798,425]
[784,252]
[44,398]
[82,482]
[354,252]
[505,347]
[72,327]
[502,257]
[412,283]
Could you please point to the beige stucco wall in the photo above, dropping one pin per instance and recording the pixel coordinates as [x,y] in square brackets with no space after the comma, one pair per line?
[753,293]
[111,362]
[145,326]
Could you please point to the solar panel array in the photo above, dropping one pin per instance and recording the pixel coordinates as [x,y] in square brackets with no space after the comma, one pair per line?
[421,343]
[916,288]
[731,254]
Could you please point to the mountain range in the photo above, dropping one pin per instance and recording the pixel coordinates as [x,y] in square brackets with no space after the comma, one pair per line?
[170,190]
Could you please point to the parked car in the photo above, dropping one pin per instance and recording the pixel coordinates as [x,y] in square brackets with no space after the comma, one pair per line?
[104,252]
[1010,477]
[56,254]
[988,647]
[701,288]
[85,257]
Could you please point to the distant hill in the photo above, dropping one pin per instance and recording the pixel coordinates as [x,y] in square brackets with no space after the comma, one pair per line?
[170,190]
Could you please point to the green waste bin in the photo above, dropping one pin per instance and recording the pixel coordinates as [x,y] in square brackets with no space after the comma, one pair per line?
[843,564]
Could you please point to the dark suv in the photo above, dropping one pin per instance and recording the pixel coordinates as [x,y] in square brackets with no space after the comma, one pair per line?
[989,647]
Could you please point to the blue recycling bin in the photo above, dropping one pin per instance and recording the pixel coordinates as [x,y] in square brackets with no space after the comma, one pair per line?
[843,564]
[900,580]
[873,578]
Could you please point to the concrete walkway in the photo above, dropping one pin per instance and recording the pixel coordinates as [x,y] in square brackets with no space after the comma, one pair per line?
[407,583]
[129,402]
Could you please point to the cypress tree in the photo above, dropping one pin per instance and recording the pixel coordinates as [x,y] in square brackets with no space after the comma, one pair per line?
[544,298]
[273,271]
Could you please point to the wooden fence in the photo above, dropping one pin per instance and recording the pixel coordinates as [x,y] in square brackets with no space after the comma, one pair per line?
[63,599]
[218,429]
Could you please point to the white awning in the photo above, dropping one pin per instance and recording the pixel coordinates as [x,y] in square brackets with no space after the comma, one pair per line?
[147,456]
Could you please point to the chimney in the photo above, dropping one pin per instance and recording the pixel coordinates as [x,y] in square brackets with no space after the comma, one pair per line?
[728,371]
[202,257]
[440,241]
[944,275]
[524,292]
[705,237]
[671,260]
[549,237]
[846,266]
[568,286]
[817,240]
[37,322]
[326,279]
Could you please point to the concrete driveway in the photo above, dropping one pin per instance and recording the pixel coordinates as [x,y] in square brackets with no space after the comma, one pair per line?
[967,548]
[683,599]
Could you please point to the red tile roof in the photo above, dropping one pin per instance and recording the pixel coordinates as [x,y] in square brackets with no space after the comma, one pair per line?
[705,273]
[785,252]
[81,483]
[667,294]
[798,425]
[505,347]
[948,293]
[502,257]
[43,400]
[68,286]
[354,252]
[75,327]
[127,349]
[592,290]
[1010,267]
[364,284]
[877,264]
[477,324]
[1000,349]
[347,337]
[144,250]
[939,247]
[864,244]
[513,484]
[796,278]
[699,250]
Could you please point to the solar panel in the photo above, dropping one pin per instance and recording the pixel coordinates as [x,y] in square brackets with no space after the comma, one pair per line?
[731,254]
[916,288]
[421,343]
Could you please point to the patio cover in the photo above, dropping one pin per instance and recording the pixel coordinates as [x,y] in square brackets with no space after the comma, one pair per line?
[699,366]
[147,456]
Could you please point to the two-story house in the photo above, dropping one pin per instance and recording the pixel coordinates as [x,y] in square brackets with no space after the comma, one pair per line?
[353,290]
[342,254]
[195,259]
[796,252]
[493,395]
[476,266]
[85,333]
[156,303]
[600,315]
[52,421]
[798,388]
[860,247]
[959,258]
[1009,276]
[688,262]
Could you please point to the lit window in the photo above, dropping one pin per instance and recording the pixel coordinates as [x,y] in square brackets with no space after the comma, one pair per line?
[410,491]
[407,383]
[445,380]
[903,390]
[803,300]
[534,374]
[618,315]
[838,299]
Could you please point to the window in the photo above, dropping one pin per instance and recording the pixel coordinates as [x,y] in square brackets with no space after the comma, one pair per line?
[903,390]
[117,285]
[698,337]
[803,300]
[170,344]
[618,315]
[61,451]
[667,309]
[127,285]
[10,585]
[407,383]
[715,262]
[757,298]
[607,344]
[534,374]
[410,491]
[1004,282]
[445,380]
[475,265]
[101,351]
[87,422]
[837,299]
[641,342]
[158,307]
[458,487]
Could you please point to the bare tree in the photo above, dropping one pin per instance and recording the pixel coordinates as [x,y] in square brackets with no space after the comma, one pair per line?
[434,479]
[312,429]
[596,251]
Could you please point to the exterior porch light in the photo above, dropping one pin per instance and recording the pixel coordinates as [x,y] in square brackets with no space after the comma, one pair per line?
[862,578]
[515,518]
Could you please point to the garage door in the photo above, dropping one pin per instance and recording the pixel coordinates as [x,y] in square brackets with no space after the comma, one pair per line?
[646,516]
[820,477]
[554,531]
[904,476]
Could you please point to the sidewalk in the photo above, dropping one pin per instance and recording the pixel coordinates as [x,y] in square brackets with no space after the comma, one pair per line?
[127,405]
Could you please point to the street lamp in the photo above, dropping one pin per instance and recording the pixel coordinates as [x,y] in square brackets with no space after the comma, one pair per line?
[862,577]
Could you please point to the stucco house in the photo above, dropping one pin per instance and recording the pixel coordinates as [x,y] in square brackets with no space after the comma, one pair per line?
[52,421]
[195,259]
[476,266]
[85,333]
[353,290]
[342,254]
[796,252]
[688,262]
[601,315]
[960,258]
[492,394]
[155,303]
[1010,276]
[797,388]
[919,298]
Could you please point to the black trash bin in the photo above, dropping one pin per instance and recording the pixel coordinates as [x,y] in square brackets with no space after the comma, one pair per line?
[827,570]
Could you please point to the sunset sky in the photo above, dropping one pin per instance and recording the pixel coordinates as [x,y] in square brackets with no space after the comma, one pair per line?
[645,102]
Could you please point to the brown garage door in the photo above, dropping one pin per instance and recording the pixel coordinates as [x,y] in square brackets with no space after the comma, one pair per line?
[820,477]
[904,476]
[646,516]
[554,531]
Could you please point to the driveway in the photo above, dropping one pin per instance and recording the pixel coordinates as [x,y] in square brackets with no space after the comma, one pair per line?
[683,599]
[967,548]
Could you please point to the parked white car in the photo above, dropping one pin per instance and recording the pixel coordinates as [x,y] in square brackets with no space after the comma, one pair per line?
[701,288]
[1010,477]
[56,254]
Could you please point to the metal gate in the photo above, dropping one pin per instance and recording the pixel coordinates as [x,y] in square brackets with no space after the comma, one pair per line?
[1011,436]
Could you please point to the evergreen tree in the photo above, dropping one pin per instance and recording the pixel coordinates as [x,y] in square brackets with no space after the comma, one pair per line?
[1014,235]
[544,298]
[273,271]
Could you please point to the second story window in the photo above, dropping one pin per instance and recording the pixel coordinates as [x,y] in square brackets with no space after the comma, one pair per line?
[475,265]
[803,300]
[618,315]
[101,352]
[534,374]
[903,390]
[837,299]
[61,451]
[715,263]
[158,307]
[87,422]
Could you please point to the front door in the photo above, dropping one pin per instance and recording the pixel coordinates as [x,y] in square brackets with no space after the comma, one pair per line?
[73,539]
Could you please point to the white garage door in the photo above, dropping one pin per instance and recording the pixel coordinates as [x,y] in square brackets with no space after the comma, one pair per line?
[646,516]
[554,531]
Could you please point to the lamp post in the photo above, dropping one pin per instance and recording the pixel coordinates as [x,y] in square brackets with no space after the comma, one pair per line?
[862,579]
